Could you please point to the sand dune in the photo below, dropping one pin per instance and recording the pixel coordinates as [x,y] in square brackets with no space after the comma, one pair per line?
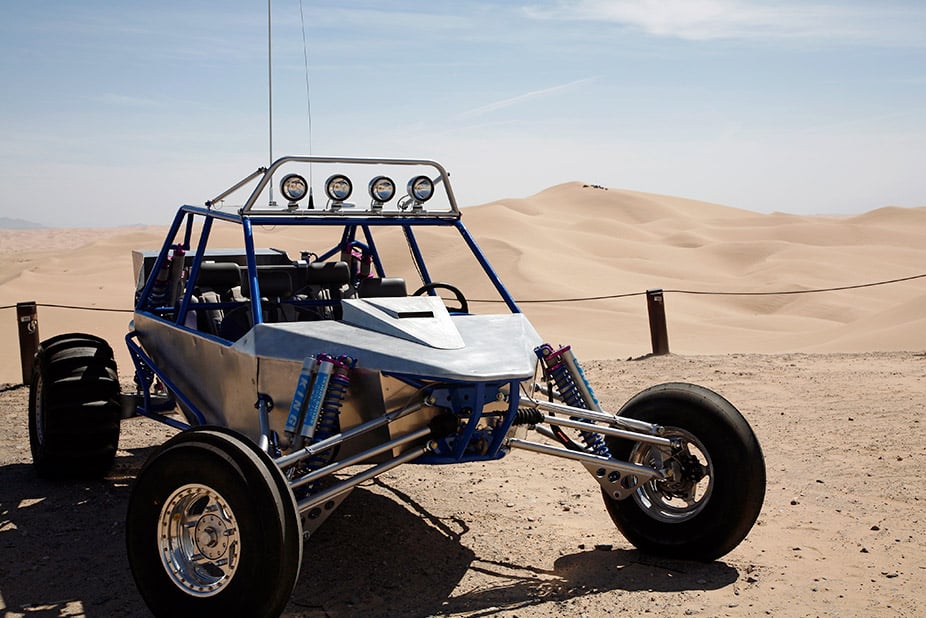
[572,241]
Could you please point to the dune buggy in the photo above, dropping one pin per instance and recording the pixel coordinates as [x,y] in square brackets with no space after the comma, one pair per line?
[301,372]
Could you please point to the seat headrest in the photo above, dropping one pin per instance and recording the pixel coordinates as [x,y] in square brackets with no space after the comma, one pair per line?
[273,284]
[377,288]
[327,273]
[218,275]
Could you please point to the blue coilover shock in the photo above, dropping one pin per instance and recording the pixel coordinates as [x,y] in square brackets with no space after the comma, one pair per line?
[562,367]
[329,421]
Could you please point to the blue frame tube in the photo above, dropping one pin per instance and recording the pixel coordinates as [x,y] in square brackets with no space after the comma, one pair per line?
[256,310]
[377,263]
[159,262]
[502,431]
[476,251]
[142,360]
[194,268]
[416,252]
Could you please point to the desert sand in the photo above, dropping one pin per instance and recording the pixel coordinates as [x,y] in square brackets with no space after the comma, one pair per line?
[832,382]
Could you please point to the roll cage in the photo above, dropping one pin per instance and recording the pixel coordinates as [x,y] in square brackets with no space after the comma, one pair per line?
[183,257]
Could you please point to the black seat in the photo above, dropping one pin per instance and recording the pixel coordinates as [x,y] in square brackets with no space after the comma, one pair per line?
[324,284]
[217,282]
[274,282]
[220,277]
[276,286]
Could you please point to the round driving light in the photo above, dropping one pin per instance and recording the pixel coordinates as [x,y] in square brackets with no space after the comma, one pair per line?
[420,188]
[294,187]
[338,188]
[382,189]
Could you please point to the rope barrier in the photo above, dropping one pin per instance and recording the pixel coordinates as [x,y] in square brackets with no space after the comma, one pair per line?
[834,289]
[710,293]
[78,307]
[580,299]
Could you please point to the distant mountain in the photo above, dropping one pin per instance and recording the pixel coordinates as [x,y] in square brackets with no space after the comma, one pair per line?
[6,223]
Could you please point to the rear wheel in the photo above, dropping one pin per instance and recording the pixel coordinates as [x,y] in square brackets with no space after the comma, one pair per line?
[212,528]
[74,407]
[715,483]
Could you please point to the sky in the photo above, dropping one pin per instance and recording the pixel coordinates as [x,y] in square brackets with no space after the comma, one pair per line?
[116,113]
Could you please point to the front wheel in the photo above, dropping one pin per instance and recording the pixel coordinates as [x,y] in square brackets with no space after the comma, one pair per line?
[212,529]
[715,482]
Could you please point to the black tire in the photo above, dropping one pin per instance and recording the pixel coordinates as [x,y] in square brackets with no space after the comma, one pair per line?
[74,407]
[694,519]
[239,508]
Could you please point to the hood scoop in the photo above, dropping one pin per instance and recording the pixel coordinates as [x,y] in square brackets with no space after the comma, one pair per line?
[421,319]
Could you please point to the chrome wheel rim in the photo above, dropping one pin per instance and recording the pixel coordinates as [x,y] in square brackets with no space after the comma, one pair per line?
[198,540]
[689,480]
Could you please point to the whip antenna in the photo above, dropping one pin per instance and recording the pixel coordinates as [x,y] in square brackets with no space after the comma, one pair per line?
[270,90]
[308,98]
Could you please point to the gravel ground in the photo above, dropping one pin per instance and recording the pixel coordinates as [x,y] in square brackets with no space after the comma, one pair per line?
[840,532]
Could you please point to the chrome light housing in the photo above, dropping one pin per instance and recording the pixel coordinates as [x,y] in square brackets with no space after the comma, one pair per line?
[338,188]
[420,189]
[293,187]
[382,189]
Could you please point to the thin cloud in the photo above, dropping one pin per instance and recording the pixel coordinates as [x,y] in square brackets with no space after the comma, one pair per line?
[522,98]
[890,23]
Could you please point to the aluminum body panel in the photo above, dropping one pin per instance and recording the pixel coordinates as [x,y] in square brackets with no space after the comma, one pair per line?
[497,347]
[218,379]
[423,320]
[223,381]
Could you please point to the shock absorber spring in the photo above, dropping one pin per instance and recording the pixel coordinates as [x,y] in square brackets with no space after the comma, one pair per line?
[329,422]
[564,371]
[528,416]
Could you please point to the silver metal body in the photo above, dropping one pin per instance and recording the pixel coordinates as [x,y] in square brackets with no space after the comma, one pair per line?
[223,381]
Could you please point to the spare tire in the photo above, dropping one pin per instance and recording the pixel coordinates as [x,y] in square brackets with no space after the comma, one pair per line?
[74,407]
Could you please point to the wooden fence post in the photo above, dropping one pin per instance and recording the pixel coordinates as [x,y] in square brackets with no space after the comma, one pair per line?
[27,318]
[656,308]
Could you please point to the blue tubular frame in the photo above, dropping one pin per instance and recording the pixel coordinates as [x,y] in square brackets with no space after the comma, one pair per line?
[476,251]
[256,310]
[159,262]
[197,262]
[482,394]
[416,252]
[350,225]
[377,262]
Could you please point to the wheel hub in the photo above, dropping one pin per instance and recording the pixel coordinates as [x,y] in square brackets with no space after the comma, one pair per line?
[211,533]
[685,472]
[688,481]
[198,540]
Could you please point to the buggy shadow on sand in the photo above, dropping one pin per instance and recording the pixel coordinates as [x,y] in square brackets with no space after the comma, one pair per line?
[301,375]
